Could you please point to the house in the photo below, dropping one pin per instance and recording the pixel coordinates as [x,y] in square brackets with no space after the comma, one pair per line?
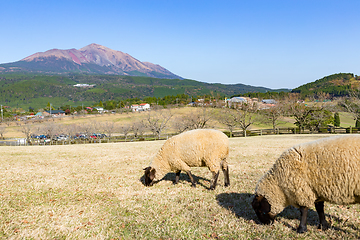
[99,109]
[235,101]
[144,106]
[140,107]
[54,113]
[269,101]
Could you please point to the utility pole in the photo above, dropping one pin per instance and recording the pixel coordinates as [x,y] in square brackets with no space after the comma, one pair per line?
[2,116]
[50,110]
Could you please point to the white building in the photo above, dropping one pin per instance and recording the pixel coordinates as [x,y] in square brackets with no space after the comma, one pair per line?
[99,109]
[140,107]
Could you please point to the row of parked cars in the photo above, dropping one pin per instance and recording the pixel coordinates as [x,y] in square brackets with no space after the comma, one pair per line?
[62,137]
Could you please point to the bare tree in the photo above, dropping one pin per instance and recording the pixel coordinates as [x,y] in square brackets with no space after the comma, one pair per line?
[200,118]
[273,115]
[157,120]
[27,130]
[125,129]
[109,128]
[180,124]
[352,104]
[229,118]
[70,130]
[138,128]
[246,115]
[87,129]
[2,131]
[50,129]
[196,119]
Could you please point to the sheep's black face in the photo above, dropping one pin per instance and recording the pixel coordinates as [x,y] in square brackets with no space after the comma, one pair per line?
[149,176]
[262,209]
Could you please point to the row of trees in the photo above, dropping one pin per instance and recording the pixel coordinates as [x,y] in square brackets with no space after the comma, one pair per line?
[159,119]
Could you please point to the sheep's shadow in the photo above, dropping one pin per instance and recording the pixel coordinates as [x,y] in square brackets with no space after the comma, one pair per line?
[183,177]
[240,205]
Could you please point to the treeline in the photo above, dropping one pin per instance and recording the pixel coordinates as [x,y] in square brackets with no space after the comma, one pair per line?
[35,90]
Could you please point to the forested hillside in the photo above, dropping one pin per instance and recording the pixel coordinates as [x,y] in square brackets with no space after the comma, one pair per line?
[29,90]
[336,85]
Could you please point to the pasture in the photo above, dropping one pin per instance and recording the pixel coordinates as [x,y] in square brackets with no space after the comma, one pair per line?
[94,191]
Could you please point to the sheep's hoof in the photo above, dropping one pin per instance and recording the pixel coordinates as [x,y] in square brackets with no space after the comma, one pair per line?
[323,226]
[193,185]
[301,229]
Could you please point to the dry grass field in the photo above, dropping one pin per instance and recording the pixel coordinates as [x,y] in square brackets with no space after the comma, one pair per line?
[94,191]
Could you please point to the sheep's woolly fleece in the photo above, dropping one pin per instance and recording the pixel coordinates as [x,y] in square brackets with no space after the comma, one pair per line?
[322,170]
[195,148]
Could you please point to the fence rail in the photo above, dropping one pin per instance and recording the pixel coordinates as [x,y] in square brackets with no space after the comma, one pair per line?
[131,138]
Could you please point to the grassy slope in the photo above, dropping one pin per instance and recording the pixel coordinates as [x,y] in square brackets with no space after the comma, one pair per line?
[95,192]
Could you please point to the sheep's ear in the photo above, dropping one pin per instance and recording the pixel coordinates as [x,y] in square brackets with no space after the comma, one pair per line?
[152,174]
[256,201]
[147,168]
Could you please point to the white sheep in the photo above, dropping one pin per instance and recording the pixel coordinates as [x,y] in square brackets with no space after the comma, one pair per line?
[323,170]
[195,148]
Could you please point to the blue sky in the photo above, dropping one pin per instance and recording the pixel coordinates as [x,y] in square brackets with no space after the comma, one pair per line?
[274,44]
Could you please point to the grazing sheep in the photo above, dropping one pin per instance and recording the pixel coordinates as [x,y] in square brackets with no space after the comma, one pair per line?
[326,170]
[195,148]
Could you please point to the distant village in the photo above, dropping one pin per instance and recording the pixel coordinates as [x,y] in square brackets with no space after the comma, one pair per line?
[233,102]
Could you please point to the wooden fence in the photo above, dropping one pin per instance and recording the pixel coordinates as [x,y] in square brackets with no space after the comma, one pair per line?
[131,138]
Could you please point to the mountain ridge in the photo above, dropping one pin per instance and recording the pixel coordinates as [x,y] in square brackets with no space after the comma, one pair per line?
[91,59]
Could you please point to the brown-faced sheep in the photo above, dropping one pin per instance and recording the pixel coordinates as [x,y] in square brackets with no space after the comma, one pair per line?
[326,170]
[195,148]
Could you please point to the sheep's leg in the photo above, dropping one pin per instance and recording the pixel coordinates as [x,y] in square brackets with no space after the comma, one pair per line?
[302,226]
[226,176]
[177,177]
[191,178]
[320,210]
[214,180]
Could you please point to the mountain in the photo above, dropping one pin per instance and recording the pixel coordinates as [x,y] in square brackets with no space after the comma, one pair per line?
[91,59]
[336,85]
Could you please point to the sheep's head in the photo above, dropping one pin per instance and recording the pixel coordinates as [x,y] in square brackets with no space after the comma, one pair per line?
[149,176]
[262,209]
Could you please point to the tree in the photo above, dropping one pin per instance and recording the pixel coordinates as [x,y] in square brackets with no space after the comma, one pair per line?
[157,120]
[336,119]
[319,117]
[229,118]
[301,114]
[138,128]
[109,128]
[357,123]
[2,131]
[70,130]
[352,104]
[125,129]
[48,106]
[246,115]
[27,130]
[273,115]
[50,129]
[196,119]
